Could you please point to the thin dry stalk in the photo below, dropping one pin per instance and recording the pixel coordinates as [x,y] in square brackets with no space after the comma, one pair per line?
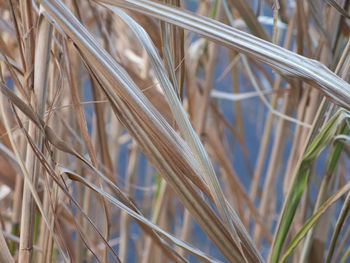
[34,74]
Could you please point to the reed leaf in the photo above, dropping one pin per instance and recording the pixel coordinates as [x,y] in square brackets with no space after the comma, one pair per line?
[138,108]
[312,220]
[289,64]
[207,171]
[300,181]
[75,177]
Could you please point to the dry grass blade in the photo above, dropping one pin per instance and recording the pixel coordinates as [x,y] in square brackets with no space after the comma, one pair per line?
[207,171]
[238,96]
[86,137]
[63,146]
[164,234]
[39,76]
[31,187]
[280,59]
[262,96]
[174,131]
[146,124]
[177,180]
[44,162]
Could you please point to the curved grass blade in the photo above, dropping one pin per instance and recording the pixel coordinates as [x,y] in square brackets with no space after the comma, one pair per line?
[278,58]
[300,181]
[197,253]
[334,155]
[63,146]
[312,220]
[163,146]
[26,177]
[207,171]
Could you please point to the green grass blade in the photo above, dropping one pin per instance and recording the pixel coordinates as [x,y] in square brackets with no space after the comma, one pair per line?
[331,165]
[345,256]
[307,226]
[300,181]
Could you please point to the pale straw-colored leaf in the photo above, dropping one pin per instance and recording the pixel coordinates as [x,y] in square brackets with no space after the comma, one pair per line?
[197,253]
[207,171]
[280,59]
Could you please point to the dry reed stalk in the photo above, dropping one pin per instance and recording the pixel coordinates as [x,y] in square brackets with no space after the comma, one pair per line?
[36,73]
[143,76]
[117,100]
